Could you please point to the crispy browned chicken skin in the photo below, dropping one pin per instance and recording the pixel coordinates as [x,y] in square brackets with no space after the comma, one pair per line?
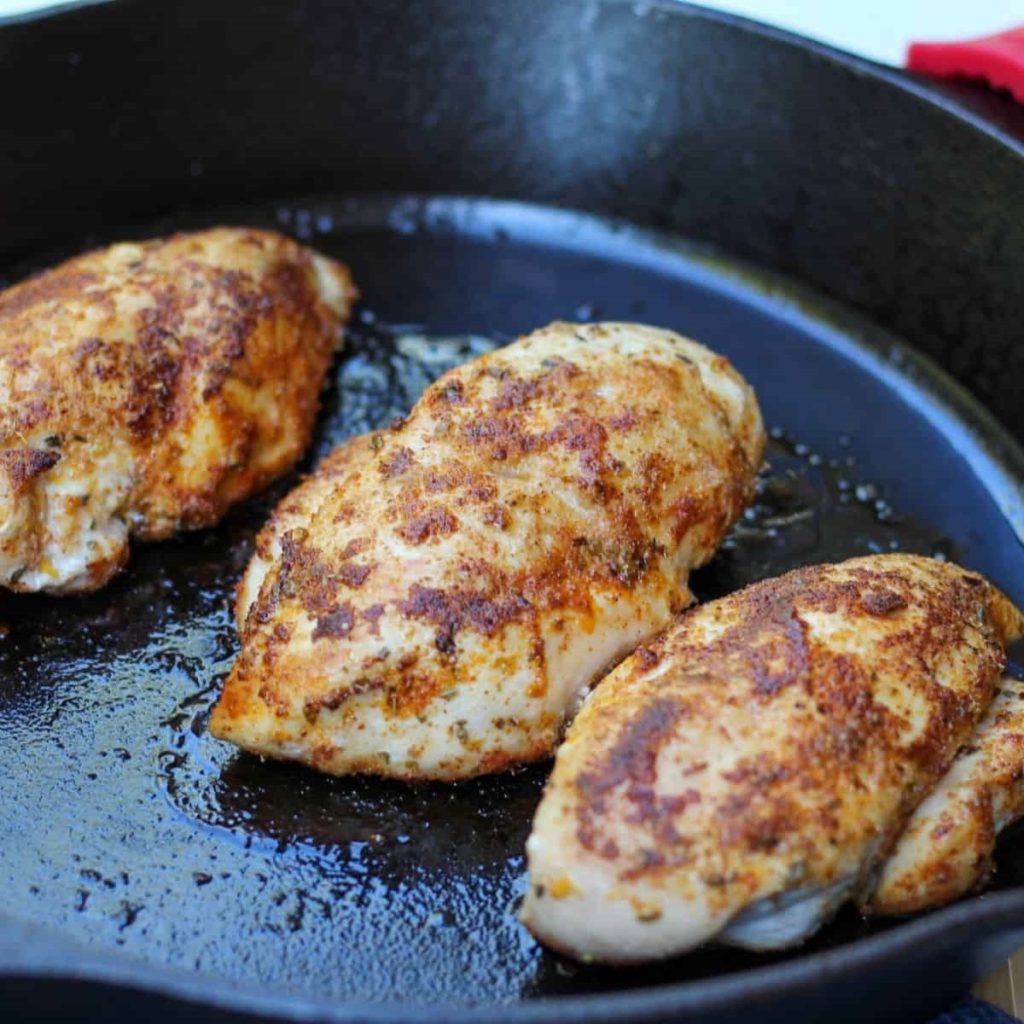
[146,387]
[746,773]
[433,602]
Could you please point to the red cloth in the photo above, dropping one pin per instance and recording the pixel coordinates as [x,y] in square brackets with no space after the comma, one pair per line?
[998,59]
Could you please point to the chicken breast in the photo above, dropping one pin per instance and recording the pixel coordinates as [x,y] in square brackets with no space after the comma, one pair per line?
[435,600]
[147,387]
[946,850]
[744,774]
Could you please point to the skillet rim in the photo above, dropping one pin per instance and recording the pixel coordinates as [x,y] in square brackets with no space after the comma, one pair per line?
[33,951]
[909,82]
[730,992]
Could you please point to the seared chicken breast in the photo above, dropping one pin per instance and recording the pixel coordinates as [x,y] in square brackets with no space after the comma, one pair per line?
[946,849]
[146,387]
[434,601]
[745,773]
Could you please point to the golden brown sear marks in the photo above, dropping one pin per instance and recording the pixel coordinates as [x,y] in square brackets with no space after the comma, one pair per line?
[520,532]
[745,772]
[147,387]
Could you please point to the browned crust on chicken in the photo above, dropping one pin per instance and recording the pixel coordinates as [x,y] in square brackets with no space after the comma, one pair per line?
[771,742]
[767,644]
[151,386]
[550,494]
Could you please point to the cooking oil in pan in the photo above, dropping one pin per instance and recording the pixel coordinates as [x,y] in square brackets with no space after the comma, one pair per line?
[126,826]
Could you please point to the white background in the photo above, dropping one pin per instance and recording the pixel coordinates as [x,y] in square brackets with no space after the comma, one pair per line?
[879,29]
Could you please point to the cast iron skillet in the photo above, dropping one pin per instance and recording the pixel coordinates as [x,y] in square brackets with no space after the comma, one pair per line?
[142,863]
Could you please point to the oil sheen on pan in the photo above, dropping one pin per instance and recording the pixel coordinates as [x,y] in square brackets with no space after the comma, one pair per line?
[127,827]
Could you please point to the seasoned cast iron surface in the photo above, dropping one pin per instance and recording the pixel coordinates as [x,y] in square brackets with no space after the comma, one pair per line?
[124,824]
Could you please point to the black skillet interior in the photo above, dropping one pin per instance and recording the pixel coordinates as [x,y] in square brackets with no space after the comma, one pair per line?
[125,828]
[162,842]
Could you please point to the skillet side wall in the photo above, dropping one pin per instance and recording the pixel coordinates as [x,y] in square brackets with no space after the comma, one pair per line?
[809,164]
